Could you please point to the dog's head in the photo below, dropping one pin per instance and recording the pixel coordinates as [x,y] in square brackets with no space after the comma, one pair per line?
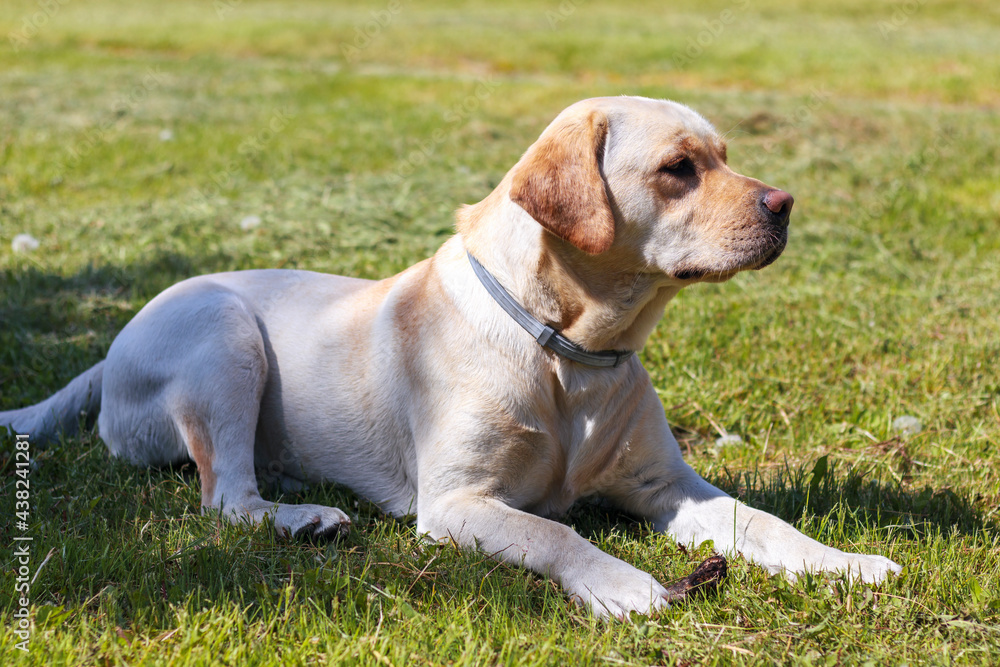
[647,181]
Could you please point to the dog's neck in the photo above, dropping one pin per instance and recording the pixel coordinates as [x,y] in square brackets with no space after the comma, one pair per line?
[590,299]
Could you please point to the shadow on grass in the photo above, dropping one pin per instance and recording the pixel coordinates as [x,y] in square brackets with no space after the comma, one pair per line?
[863,499]
[55,326]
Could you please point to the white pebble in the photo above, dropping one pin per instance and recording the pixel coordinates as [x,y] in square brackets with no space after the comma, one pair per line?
[729,440]
[250,222]
[166,135]
[24,243]
[907,425]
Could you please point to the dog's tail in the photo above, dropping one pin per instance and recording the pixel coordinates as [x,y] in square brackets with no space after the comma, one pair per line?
[60,412]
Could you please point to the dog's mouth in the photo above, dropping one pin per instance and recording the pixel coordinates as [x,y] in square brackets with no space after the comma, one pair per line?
[770,256]
[761,253]
[761,250]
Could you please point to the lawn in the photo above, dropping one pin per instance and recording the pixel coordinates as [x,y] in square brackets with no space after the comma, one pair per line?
[136,137]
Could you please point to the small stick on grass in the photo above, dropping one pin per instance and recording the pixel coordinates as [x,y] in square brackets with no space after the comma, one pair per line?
[704,581]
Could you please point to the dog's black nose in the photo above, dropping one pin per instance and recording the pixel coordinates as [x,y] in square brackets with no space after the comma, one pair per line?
[779,203]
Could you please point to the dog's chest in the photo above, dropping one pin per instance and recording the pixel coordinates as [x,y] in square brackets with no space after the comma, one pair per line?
[589,422]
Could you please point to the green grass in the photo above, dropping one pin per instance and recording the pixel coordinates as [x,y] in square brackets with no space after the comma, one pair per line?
[885,303]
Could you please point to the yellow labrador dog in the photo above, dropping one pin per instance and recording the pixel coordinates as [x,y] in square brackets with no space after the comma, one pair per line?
[486,388]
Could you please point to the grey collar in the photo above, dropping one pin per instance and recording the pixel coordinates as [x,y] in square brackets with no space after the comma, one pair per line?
[545,335]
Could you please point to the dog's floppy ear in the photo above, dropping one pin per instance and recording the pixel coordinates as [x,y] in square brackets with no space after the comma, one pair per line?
[558,182]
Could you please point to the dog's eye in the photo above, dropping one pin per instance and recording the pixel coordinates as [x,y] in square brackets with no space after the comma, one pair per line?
[678,167]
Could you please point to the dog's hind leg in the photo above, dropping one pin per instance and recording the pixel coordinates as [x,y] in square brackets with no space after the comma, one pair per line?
[224,455]
[184,380]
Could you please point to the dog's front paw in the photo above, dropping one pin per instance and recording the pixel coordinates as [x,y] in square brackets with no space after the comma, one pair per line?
[615,592]
[868,568]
